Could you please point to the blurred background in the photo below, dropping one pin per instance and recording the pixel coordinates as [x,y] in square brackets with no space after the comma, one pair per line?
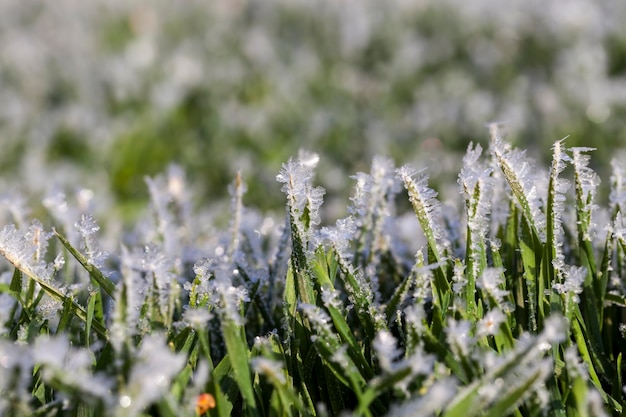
[101,93]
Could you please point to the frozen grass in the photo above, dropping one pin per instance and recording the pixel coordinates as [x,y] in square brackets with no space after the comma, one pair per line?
[515,308]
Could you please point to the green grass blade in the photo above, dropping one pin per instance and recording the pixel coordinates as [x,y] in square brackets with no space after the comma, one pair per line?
[66,316]
[16,282]
[462,405]
[237,348]
[106,284]
[510,399]
[58,296]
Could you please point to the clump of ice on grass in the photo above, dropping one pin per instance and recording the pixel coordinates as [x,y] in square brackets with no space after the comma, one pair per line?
[153,369]
[73,366]
[26,252]
[523,179]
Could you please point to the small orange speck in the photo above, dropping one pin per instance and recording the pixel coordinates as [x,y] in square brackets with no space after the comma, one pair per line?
[204,403]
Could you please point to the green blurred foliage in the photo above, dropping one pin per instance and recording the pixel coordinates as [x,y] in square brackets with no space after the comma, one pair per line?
[124,89]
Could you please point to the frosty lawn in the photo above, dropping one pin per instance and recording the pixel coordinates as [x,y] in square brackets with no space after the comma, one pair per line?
[515,307]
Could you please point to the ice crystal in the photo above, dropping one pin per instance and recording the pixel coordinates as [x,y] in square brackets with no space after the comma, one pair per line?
[172,210]
[490,324]
[575,365]
[458,336]
[297,177]
[229,296]
[554,330]
[236,191]
[340,357]
[434,400]
[386,349]
[618,229]
[491,281]
[25,252]
[88,228]
[373,207]
[15,203]
[617,196]
[197,318]
[595,404]
[318,317]
[39,238]
[270,368]
[459,279]
[16,370]
[587,182]
[203,267]
[150,377]
[340,237]
[415,317]
[557,189]
[56,203]
[129,299]
[426,206]
[330,298]
[523,367]
[523,181]
[573,283]
[476,183]
[60,361]
[50,310]
[150,272]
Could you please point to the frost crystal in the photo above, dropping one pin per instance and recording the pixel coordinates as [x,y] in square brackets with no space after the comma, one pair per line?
[39,239]
[16,370]
[587,182]
[56,203]
[236,191]
[15,203]
[297,177]
[617,195]
[373,203]
[477,186]
[575,365]
[270,368]
[523,181]
[230,297]
[25,252]
[557,189]
[171,207]
[491,281]
[555,330]
[330,298]
[458,337]
[573,283]
[426,206]
[490,324]
[72,366]
[320,319]
[458,278]
[436,398]
[150,377]
[197,318]
[87,228]
[340,236]
[386,349]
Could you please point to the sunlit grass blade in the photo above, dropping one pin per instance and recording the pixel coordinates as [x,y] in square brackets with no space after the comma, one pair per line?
[105,283]
[66,301]
[238,354]
[425,205]
[520,178]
